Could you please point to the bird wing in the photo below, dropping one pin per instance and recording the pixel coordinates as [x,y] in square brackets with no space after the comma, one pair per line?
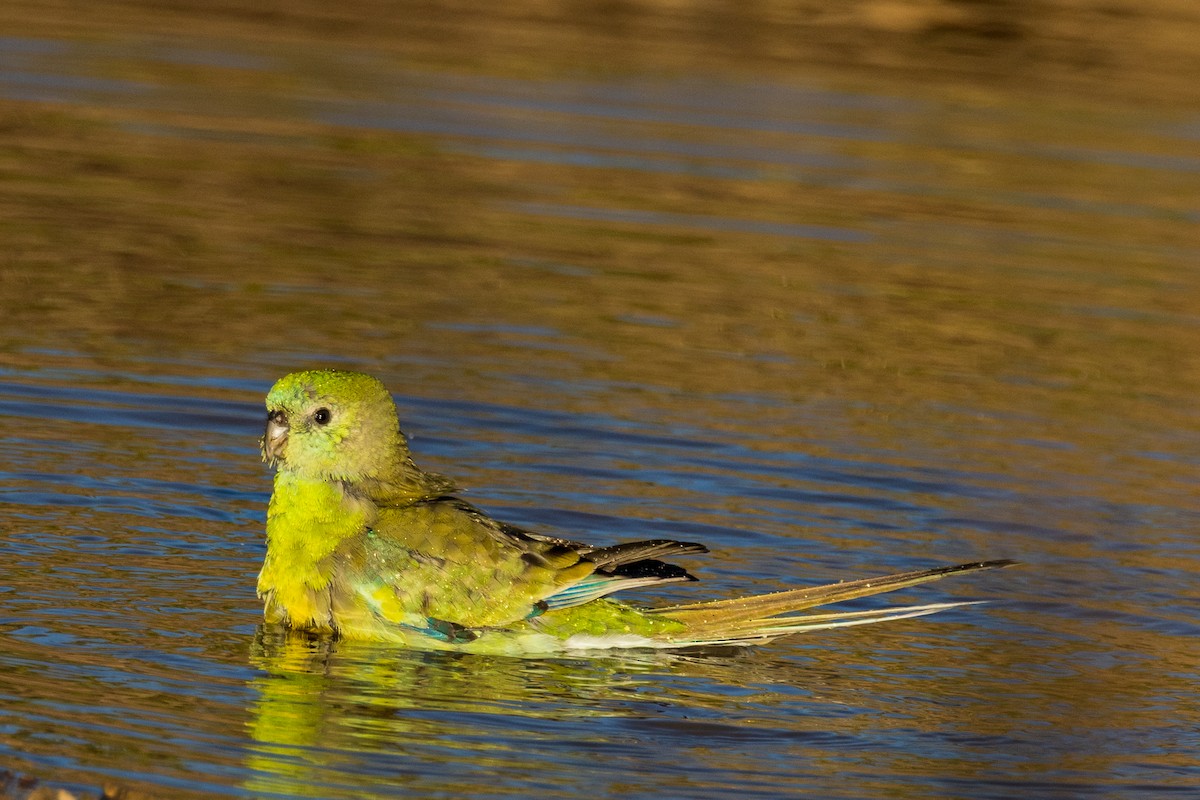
[446,568]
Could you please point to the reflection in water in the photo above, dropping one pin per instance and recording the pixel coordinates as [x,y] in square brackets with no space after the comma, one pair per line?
[438,723]
[321,704]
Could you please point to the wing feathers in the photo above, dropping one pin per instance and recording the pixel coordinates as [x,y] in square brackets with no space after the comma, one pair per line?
[631,552]
[625,566]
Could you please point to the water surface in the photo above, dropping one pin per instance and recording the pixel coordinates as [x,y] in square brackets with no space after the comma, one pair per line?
[836,294]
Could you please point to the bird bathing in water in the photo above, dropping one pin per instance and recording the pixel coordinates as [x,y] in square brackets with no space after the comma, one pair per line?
[363,544]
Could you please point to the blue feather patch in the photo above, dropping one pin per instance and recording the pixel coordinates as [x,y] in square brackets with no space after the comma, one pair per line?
[445,631]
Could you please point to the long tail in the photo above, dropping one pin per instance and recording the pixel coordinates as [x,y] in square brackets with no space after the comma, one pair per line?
[756,619]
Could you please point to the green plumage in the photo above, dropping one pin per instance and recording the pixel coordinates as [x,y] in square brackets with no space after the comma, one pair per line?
[364,544]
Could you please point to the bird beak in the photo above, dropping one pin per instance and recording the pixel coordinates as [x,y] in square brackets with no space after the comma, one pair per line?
[274,439]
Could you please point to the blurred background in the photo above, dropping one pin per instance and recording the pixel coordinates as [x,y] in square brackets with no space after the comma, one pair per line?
[836,288]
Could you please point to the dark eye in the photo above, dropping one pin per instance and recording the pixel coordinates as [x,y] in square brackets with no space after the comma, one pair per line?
[322,416]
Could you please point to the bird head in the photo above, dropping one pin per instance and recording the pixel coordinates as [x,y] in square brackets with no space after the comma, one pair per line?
[332,425]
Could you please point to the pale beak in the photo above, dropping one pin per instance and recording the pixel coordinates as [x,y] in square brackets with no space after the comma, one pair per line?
[274,439]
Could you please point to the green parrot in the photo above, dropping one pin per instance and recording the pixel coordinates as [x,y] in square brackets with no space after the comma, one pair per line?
[363,544]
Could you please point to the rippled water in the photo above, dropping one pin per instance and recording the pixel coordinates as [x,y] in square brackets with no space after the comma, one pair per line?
[835,294]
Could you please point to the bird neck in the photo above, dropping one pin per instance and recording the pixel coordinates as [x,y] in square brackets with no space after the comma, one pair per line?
[307,520]
[404,483]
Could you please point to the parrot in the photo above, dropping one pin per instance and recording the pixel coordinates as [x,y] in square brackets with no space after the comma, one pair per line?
[362,544]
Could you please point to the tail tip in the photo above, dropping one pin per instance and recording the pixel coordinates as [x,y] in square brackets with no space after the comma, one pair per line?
[997,563]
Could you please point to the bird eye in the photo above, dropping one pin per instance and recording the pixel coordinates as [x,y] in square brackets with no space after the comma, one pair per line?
[322,416]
